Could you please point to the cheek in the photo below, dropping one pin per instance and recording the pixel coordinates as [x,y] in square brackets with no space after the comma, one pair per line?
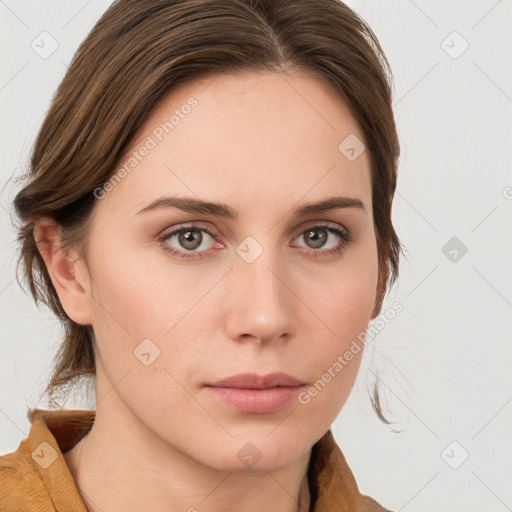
[336,360]
[346,299]
[136,291]
[344,307]
[136,300]
[346,315]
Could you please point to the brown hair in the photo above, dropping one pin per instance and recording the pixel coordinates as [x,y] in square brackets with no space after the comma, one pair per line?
[139,51]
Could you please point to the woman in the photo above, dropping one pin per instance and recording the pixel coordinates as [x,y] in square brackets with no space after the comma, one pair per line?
[209,214]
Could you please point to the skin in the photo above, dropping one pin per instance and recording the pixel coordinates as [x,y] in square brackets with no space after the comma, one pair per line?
[262,143]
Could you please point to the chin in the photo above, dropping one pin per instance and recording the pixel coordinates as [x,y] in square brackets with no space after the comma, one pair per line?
[256,454]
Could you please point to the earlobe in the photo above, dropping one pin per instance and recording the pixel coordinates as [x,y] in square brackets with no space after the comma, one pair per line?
[62,266]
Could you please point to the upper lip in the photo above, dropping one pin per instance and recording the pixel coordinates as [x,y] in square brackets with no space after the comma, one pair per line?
[255,381]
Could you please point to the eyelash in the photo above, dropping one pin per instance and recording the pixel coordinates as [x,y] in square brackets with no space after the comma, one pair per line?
[344,235]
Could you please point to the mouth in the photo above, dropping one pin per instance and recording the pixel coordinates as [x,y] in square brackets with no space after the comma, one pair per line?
[255,381]
[255,394]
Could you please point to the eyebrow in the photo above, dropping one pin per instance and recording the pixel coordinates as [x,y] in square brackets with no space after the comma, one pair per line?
[194,205]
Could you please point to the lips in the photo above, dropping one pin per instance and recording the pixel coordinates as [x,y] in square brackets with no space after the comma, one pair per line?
[255,381]
[256,394]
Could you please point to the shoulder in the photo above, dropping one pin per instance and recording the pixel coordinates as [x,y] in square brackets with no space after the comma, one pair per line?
[372,505]
[21,482]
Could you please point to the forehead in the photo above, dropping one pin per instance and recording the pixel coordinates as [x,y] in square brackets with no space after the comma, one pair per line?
[247,140]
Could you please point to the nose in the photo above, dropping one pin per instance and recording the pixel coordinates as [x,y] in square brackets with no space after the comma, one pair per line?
[260,300]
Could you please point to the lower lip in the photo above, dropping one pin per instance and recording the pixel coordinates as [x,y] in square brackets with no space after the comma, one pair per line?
[258,401]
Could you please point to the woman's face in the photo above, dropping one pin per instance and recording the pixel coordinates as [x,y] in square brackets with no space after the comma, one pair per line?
[261,290]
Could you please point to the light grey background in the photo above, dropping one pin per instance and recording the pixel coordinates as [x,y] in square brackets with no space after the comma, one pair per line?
[445,359]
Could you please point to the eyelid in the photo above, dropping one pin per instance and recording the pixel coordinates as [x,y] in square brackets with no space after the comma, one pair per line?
[199,225]
[321,224]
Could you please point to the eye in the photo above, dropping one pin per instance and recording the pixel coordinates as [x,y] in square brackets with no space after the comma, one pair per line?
[189,242]
[318,236]
[193,242]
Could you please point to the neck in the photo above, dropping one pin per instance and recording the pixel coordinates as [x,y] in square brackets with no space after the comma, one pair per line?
[113,472]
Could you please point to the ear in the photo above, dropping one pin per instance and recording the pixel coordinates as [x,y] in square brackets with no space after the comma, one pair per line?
[381,289]
[66,271]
